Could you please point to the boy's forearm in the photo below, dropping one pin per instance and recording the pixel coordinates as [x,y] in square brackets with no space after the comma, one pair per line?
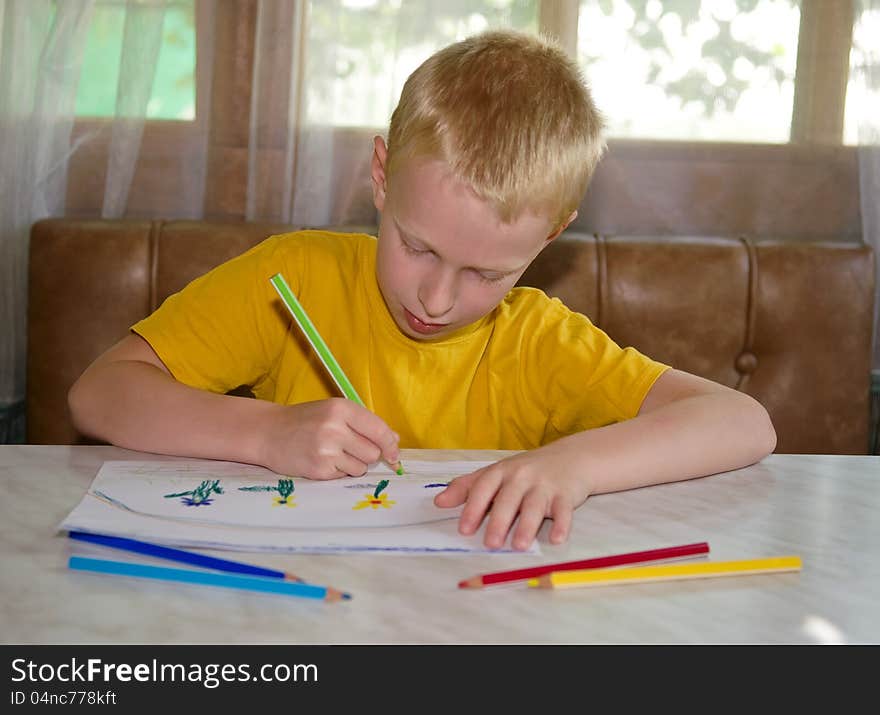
[693,437]
[136,405]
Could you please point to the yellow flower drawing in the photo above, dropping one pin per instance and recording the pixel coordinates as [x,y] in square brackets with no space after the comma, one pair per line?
[375,502]
[376,499]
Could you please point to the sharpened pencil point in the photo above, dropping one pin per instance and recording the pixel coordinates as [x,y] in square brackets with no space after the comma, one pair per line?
[334,595]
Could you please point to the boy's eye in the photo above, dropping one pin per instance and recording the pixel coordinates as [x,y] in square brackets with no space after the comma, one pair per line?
[483,277]
[412,249]
[491,278]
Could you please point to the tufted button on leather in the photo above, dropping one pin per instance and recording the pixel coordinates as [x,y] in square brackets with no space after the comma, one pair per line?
[746,363]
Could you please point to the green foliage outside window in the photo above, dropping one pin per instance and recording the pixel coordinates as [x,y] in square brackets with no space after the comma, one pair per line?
[173,95]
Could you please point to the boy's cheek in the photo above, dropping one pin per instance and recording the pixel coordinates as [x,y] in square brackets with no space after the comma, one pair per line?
[395,273]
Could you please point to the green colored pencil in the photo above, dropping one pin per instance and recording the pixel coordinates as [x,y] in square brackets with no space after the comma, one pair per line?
[318,345]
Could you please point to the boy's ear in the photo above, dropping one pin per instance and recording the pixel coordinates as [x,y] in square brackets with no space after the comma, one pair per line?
[377,172]
[564,225]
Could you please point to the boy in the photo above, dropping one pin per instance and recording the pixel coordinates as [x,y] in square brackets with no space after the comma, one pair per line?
[489,153]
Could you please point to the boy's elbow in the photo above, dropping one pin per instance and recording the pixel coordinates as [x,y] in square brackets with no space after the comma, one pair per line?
[762,430]
[769,436]
[75,403]
[80,406]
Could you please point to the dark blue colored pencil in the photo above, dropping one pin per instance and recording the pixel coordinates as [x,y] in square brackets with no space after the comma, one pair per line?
[185,557]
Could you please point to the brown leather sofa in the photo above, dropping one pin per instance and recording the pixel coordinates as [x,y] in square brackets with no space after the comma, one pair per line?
[788,322]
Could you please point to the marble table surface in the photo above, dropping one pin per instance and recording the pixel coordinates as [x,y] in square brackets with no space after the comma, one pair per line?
[825,509]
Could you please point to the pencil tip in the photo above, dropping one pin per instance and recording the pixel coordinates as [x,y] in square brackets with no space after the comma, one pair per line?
[346,596]
[470,583]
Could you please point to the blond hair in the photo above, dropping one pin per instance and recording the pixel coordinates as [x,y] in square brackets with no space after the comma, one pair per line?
[512,117]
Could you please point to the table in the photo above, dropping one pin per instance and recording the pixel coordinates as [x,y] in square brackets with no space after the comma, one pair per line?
[825,509]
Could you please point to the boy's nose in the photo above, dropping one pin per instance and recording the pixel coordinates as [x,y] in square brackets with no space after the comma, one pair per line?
[437,294]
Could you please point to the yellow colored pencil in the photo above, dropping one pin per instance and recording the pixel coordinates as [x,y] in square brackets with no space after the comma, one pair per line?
[665,572]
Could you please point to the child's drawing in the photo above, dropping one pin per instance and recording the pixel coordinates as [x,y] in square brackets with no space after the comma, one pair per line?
[150,500]
[285,488]
[201,495]
[377,499]
[167,490]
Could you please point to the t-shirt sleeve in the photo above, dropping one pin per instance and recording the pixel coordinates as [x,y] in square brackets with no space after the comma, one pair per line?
[223,330]
[580,377]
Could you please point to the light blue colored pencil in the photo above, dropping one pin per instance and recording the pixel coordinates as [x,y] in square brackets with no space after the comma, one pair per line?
[206,578]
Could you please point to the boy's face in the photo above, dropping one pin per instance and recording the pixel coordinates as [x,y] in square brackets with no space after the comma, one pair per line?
[444,257]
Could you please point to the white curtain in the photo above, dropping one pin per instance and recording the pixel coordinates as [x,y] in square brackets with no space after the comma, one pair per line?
[42,45]
[302,168]
[40,57]
[141,39]
[866,75]
[294,174]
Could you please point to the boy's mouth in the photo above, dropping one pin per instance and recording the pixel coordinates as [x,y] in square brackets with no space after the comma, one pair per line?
[421,326]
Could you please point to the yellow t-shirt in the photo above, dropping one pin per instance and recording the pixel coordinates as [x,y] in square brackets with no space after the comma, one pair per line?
[526,374]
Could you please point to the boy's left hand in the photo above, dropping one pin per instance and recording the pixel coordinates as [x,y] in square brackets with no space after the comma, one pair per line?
[534,485]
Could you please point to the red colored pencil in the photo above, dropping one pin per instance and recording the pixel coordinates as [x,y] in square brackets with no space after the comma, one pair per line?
[635,557]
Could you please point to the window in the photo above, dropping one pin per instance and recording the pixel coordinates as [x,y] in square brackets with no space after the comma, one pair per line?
[674,70]
[360,52]
[720,70]
[699,97]
[173,94]
[863,91]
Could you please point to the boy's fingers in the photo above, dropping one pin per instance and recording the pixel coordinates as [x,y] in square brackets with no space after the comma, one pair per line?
[362,449]
[456,492]
[356,466]
[335,466]
[481,494]
[373,428]
[504,509]
[531,516]
[561,512]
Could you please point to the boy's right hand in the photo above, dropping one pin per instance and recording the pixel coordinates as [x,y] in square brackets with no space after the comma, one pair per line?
[326,439]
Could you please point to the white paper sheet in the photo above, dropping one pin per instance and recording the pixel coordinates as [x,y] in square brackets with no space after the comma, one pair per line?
[226,505]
